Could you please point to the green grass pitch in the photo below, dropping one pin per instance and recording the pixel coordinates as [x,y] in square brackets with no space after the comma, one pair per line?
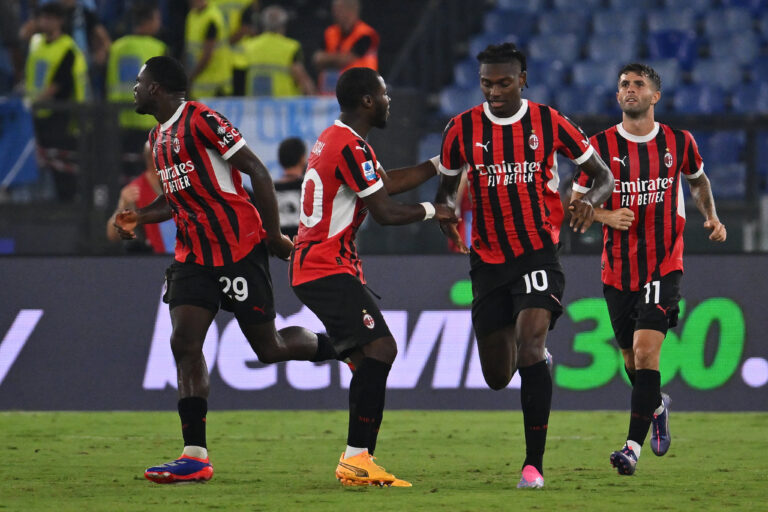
[457,461]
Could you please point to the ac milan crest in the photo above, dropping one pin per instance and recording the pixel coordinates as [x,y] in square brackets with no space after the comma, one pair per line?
[533,141]
[668,160]
[368,320]
[176,144]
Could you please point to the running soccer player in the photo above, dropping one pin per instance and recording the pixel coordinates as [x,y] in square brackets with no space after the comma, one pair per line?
[222,248]
[340,187]
[510,146]
[642,260]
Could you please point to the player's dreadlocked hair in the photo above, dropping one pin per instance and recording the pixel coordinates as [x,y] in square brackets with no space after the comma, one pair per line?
[353,84]
[642,70]
[504,52]
[168,72]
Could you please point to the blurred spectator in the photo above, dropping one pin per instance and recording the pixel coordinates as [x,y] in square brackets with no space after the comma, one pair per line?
[275,62]
[126,57]
[56,70]
[9,38]
[242,26]
[349,43]
[139,193]
[292,155]
[208,58]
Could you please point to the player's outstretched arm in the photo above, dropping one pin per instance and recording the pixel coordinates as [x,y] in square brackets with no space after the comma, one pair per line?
[701,191]
[446,193]
[388,212]
[404,179]
[265,199]
[127,220]
[620,219]
[582,210]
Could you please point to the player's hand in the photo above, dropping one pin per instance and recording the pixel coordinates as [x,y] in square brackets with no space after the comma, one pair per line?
[620,219]
[444,213]
[451,230]
[125,224]
[280,247]
[718,230]
[582,215]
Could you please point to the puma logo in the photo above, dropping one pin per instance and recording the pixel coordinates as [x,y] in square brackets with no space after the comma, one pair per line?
[361,148]
[662,309]
[621,160]
[484,146]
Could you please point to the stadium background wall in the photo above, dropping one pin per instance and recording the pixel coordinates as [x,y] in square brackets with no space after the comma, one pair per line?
[92,334]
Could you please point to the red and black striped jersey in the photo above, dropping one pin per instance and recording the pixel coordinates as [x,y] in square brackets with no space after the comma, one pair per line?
[646,171]
[216,222]
[512,176]
[341,171]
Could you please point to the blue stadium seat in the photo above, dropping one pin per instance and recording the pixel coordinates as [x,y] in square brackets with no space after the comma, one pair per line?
[616,47]
[671,19]
[750,98]
[595,74]
[465,73]
[563,22]
[522,5]
[670,73]
[680,45]
[752,5]
[549,72]
[522,25]
[580,100]
[763,25]
[454,100]
[725,147]
[758,69]
[742,47]
[727,21]
[699,6]
[573,5]
[538,93]
[479,42]
[565,47]
[429,145]
[723,73]
[729,181]
[623,22]
[699,99]
[622,4]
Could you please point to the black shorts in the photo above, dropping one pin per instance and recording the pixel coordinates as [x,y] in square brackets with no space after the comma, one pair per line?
[243,287]
[654,306]
[501,291]
[347,309]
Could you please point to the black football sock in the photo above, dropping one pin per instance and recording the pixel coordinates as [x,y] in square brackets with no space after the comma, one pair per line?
[536,399]
[375,431]
[325,350]
[645,399]
[366,401]
[192,411]
[631,375]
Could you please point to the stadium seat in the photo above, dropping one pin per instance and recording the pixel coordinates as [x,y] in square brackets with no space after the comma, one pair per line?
[595,74]
[522,25]
[670,73]
[564,47]
[742,47]
[429,145]
[454,100]
[752,5]
[522,5]
[479,42]
[729,181]
[699,99]
[580,100]
[612,47]
[563,22]
[624,22]
[549,72]
[725,147]
[723,73]
[758,69]
[538,93]
[622,4]
[671,19]
[750,98]
[465,73]
[763,25]
[680,45]
[698,6]
[720,22]
[573,5]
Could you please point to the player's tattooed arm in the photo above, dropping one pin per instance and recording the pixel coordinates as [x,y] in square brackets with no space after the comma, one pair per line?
[582,210]
[701,191]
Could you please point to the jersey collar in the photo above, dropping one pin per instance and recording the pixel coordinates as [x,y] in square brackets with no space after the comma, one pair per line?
[342,125]
[639,139]
[506,120]
[174,117]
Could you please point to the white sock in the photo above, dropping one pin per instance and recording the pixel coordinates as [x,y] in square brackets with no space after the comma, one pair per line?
[197,452]
[351,451]
[635,447]
[659,409]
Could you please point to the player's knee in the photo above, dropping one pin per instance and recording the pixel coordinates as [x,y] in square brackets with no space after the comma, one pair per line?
[383,349]
[184,347]
[497,381]
[268,355]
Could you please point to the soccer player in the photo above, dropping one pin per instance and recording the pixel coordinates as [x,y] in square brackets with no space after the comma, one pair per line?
[222,248]
[340,187]
[642,260]
[510,146]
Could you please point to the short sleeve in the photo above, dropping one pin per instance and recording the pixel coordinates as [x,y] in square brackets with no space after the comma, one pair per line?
[571,140]
[693,165]
[451,161]
[218,133]
[357,168]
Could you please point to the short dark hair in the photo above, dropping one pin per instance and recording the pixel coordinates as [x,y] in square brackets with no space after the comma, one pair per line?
[504,52]
[52,9]
[168,72]
[142,11]
[290,152]
[642,70]
[353,84]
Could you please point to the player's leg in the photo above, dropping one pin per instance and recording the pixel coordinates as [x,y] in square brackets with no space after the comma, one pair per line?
[288,344]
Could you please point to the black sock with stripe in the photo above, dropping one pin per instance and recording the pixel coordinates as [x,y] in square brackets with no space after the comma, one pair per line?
[645,399]
[536,399]
[192,411]
[367,391]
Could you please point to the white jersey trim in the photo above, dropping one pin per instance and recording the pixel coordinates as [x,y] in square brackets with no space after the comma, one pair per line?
[507,120]
[449,172]
[579,188]
[696,174]
[370,190]
[342,125]
[222,171]
[585,156]
[233,149]
[175,117]
[639,139]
